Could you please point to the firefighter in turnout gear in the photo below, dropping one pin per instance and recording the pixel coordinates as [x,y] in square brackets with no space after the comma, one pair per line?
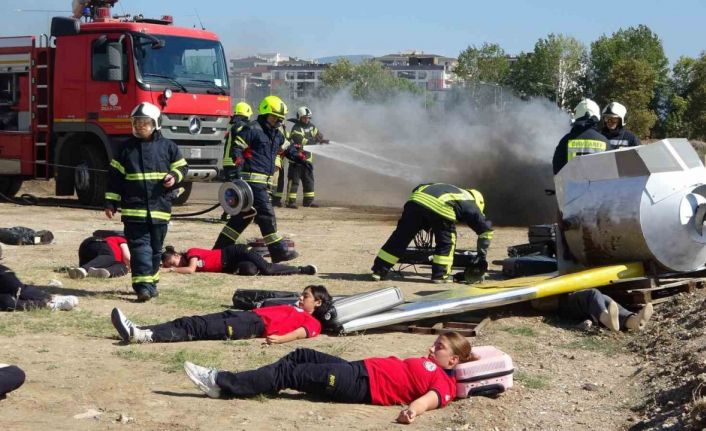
[301,167]
[583,137]
[437,207]
[254,151]
[142,173]
[614,127]
[241,117]
[281,164]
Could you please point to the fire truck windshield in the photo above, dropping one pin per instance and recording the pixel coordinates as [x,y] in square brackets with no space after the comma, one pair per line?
[183,64]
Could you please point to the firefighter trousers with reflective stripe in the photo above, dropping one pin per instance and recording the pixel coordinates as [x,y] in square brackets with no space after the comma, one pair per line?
[304,370]
[265,219]
[145,242]
[415,218]
[303,172]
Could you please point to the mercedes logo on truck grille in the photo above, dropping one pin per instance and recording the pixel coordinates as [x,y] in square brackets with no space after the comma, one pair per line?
[194,125]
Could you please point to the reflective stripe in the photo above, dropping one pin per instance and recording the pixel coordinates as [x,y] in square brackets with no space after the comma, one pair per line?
[155,277]
[292,196]
[160,215]
[580,147]
[433,204]
[463,196]
[179,163]
[277,194]
[255,177]
[309,195]
[142,279]
[179,176]
[227,160]
[486,235]
[240,142]
[146,176]
[387,257]
[116,164]
[230,233]
[272,238]
[112,196]
[131,212]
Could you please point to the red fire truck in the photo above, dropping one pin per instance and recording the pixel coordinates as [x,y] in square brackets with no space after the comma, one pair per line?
[65,98]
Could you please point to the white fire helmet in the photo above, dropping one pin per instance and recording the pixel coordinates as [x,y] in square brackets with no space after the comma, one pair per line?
[587,106]
[148,110]
[615,109]
[303,111]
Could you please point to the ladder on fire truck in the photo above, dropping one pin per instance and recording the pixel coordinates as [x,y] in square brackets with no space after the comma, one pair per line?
[41,106]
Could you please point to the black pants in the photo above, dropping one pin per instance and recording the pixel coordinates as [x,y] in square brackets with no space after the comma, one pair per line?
[228,325]
[265,219]
[303,172]
[415,218]
[304,370]
[281,180]
[236,257]
[96,253]
[145,242]
[15,295]
[11,378]
[589,304]
[20,235]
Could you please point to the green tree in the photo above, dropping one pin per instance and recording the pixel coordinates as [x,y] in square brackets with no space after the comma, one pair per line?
[632,83]
[486,64]
[368,80]
[695,112]
[675,123]
[554,69]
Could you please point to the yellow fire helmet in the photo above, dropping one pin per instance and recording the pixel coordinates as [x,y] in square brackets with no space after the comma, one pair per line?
[242,108]
[273,105]
[478,197]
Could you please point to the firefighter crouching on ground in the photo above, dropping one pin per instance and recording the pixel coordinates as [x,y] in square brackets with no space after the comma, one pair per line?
[301,167]
[140,176]
[254,150]
[583,137]
[437,207]
[614,127]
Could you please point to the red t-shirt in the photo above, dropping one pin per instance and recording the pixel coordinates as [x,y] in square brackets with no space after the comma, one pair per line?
[208,260]
[283,319]
[114,244]
[401,381]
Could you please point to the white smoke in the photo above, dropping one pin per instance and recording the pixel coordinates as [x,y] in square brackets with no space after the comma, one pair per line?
[505,153]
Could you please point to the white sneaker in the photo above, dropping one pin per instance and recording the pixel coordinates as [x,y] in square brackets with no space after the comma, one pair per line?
[204,378]
[609,318]
[138,335]
[637,322]
[77,273]
[98,272]
[122,324]
[63,302]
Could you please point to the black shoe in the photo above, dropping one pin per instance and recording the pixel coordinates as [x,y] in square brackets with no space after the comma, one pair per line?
[311,205]
[380,274]
[292,205]
[283,256]
[144,294]
[277,203]
[308,270]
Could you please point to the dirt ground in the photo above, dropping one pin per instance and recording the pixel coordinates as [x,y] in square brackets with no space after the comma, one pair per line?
[79,376]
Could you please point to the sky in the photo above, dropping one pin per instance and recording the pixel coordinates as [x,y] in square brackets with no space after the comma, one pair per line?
[318,28]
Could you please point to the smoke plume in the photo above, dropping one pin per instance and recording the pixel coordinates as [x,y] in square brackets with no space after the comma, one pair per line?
[386,149]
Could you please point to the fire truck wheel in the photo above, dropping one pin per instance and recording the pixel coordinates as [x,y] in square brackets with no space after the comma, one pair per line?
[183,196]
[10,185]
[89,176]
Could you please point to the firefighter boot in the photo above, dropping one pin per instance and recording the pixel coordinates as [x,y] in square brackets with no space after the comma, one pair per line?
[291,203]
[309,202]
[281,254]
[277,202]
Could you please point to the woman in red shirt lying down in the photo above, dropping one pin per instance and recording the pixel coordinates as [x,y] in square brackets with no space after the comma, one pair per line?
[232,259]
[105,257]
[423,383]
[277,324]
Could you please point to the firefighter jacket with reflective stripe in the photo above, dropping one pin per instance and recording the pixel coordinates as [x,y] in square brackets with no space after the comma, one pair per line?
[136,175]
[452,203]
[620,137]
[305,134]
[582,139]
[257,144]
[238,123]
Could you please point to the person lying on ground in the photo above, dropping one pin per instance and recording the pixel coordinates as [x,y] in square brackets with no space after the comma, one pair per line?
[17,296]
[231,259]
[593,307]
[102,258]
[277,324]
[20,235]
[423,383]
[11,378]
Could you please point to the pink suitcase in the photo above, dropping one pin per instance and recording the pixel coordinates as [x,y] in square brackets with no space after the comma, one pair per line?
[490,375]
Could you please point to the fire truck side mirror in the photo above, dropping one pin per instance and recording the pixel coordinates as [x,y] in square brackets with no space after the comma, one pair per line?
[63,26]
[115,61]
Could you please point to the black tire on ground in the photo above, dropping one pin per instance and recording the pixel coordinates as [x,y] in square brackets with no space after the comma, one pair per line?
[90,176]
[182,198]
[10,185]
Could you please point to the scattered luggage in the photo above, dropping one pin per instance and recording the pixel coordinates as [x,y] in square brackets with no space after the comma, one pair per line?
[248,299]
[363,304]
[528,265]
[489,375]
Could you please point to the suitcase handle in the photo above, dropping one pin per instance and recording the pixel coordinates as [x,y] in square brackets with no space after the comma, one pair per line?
[491,391]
